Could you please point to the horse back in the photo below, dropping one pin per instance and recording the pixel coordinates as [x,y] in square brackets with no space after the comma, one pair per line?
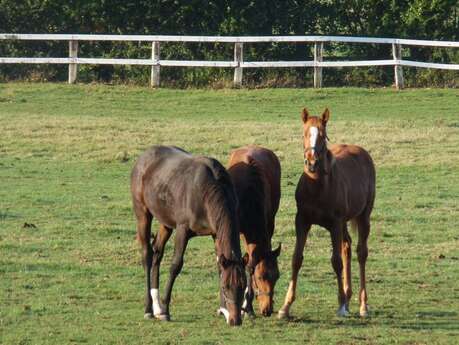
[354,161]
[171,184]
[255,172]
[355,177]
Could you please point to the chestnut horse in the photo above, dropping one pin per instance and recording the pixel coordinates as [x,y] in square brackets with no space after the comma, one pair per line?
[337,185]
[256,172]
[195,196]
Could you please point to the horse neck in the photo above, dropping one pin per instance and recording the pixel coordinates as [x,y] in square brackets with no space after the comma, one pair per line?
[258,240]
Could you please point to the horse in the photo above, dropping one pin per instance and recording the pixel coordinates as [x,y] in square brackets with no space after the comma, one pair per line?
[337,185]
[194,196]
[255,172]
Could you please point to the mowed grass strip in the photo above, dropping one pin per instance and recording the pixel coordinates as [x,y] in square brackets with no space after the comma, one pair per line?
[70,269]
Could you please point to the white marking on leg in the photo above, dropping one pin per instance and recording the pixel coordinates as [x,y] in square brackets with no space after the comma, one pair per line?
[244,305]
[342,311]
[157,308]
[364,311]
[225,313]
[313,134]
[283,313]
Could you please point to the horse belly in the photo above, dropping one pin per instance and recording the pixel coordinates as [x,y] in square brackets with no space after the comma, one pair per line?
[161,206]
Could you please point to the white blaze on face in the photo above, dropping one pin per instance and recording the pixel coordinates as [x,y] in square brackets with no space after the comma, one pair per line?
[313,134]
[157,308]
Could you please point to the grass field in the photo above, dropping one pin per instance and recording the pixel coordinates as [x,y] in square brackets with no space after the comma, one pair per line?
[70,269]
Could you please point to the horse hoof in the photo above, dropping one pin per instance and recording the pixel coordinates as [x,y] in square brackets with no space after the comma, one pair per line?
[283,315]
[342,311]
[163,317]
[148,316]
[364,312]
[250,314]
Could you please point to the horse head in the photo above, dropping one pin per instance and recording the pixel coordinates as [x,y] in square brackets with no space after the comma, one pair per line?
[264,277]
[315,141]
[233,283]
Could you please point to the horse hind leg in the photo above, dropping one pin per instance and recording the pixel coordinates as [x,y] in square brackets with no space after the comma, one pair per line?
[336,233]
[363,224]
[346,257]
[144,219]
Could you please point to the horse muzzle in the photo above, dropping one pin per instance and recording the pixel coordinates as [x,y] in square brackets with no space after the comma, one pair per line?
[236,321]
[312,167]
[267,312]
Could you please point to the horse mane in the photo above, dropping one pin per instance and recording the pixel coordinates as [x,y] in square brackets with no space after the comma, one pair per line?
[221,202]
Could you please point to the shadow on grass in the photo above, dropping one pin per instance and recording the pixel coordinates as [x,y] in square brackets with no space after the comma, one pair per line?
[431,320]
[351,321]
[6,214]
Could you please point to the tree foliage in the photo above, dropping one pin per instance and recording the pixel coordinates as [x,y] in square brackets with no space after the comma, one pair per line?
[416,19]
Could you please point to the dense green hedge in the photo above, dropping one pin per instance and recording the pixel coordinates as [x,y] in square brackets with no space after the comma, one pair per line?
[417,19]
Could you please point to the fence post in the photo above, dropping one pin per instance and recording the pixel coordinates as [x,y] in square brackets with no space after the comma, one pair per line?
[398,70]
[238,58]
[318,57]
[73,67]
[155,69]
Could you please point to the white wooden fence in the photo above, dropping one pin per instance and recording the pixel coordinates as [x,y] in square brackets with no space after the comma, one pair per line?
[238,63]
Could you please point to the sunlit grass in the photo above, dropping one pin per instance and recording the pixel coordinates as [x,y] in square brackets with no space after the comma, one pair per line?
[65,157]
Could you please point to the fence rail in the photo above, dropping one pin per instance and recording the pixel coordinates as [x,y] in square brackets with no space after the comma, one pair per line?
[238,63]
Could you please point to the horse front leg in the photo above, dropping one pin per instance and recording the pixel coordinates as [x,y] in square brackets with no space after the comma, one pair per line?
[160,241]
[181,240]
[336,233]
[302,230]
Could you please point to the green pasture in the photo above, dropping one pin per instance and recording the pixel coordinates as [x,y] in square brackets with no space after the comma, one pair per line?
[70,269]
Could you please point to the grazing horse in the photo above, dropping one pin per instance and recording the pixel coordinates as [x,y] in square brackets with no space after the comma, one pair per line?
[195,196]
[255,172]
[337,185]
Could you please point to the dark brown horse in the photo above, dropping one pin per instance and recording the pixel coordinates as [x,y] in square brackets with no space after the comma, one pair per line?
[195,196]
[255,172]
[337,186]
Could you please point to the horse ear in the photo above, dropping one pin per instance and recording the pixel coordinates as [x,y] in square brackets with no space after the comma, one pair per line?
[245,259]
[325,116]
[304,115]
[246,262]
[277,251]
[223,261]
